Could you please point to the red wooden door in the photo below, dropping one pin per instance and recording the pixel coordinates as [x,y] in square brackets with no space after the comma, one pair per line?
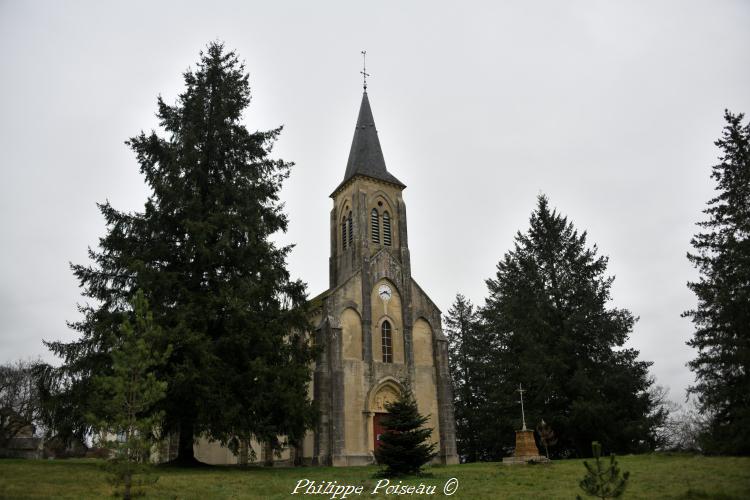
[377,428]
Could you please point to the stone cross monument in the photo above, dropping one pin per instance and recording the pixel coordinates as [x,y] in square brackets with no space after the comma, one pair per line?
[526,450]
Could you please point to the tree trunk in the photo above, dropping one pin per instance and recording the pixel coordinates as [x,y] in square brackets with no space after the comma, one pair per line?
[185,454]
[268,445]
[244,452]
[128,482]
[185,450]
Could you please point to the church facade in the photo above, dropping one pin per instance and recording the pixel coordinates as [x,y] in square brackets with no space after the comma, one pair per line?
[376,326]
[375,323]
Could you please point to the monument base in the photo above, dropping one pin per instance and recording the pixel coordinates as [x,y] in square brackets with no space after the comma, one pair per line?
[526,450]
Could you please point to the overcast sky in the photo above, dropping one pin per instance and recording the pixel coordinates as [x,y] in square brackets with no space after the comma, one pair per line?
[609,108]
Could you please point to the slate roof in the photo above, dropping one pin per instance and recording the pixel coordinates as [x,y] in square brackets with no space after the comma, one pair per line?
[366,156]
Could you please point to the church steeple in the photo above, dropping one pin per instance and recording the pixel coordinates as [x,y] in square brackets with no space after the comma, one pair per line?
[375,325]
[366,156]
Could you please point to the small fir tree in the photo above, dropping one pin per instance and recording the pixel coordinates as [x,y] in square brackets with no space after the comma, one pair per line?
[128,396]
[603,481]
[403,449]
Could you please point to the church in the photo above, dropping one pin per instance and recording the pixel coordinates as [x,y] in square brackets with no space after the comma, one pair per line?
[375,324]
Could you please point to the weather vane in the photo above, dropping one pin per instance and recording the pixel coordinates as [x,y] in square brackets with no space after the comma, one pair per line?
[364,72]
[523,417]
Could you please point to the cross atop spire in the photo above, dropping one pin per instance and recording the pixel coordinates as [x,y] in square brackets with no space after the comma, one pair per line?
[364,72]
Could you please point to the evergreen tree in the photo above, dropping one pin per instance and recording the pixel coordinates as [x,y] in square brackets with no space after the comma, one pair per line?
[475,419]
[722,317]
[128,397]
[403,449]
[553,330]
[202,254]
[603,481]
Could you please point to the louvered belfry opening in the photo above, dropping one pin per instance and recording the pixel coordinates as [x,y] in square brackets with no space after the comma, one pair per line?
[350,228]
[343,233]
[375,226]
[386,229]
[386,342]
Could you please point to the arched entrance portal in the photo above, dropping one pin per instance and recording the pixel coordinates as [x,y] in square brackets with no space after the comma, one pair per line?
[386,392]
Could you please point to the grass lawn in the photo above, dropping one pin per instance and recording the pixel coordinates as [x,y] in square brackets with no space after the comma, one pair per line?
[652,476]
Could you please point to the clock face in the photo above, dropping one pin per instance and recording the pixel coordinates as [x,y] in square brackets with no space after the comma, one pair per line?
[385,292]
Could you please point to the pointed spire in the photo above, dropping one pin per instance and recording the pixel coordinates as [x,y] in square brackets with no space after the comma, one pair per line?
[366,156]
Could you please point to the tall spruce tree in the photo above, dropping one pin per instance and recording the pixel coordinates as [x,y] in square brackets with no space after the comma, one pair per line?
[468,349]
[202,254]
[722,317]
[548,313]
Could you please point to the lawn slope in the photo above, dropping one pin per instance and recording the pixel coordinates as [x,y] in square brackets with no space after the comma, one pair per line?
[652,476]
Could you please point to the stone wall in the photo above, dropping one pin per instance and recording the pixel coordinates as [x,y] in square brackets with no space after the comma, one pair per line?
[23,447]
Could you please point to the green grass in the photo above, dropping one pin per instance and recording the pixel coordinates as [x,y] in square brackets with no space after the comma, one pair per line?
[652,476]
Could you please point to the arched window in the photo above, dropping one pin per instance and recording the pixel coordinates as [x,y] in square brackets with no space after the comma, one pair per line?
[375,226]
[386,342]
[386,229]
[349,227]
[343,233]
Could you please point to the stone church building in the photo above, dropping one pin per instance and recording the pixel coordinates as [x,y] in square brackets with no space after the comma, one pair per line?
[375,323]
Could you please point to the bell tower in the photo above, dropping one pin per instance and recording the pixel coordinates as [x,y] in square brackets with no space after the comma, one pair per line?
[368,210]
